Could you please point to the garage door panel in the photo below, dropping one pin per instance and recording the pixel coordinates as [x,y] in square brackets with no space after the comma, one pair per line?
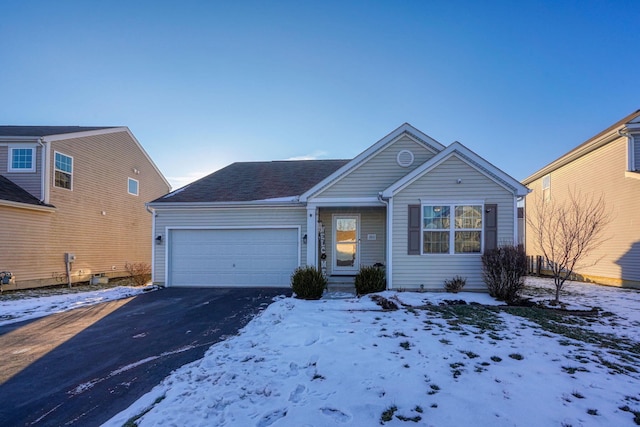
[234,257]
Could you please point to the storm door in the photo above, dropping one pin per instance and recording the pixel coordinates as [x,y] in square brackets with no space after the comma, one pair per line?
[346,232]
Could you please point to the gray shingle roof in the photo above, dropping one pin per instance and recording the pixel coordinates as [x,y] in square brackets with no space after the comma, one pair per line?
[14,193]
[250,181]
[40,131]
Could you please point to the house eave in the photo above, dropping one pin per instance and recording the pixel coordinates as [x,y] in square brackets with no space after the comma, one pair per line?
[221,205]
[28,206]
[605,137]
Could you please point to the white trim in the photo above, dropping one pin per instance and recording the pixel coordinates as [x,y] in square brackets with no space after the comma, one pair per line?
[405,164]
[137,193]
[463,153]
[312,236]
[629,174]
[28,206]
[55,169]
[389,266]
[515,224]
[221,205]
[334,259]
[167,239]
[452,229]
[405,129]
[345,202]
[631,155]
[34,157]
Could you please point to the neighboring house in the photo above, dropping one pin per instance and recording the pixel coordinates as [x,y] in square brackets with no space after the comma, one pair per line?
[74,190]
[425,211]
[607,164]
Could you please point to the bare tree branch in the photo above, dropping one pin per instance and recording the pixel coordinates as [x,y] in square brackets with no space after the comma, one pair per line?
[567,232]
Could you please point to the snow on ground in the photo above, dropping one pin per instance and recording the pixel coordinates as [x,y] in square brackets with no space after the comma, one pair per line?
[36,303]
[347,362]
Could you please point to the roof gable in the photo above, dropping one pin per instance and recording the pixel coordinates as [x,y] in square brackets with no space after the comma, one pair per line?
[405,129]
[630,123]
[255,181]
[467,156]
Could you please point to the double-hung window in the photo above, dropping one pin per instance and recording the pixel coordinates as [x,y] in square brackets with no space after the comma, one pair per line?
[22,159]
[452,228]
[63,171]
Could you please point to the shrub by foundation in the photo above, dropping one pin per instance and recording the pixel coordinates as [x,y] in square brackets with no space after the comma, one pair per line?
[308,283]
[503,271]
[455,285]
[370,279]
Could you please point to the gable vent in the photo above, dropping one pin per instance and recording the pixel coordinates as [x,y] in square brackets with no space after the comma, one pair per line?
[405,158]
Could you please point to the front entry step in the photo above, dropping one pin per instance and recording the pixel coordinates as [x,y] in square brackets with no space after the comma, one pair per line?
[343,284]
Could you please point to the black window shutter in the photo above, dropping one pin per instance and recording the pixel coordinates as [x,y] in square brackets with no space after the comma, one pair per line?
[490,226]
[414,230]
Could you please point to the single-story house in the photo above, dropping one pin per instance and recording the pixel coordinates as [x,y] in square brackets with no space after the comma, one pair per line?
[425,211]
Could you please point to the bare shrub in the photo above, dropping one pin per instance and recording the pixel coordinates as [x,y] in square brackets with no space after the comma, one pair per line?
[503,271]
[567,232]
[455,285]
[140,272]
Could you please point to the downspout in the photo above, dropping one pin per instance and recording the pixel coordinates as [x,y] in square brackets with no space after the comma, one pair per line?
[389,241]
[631,161]
[153,241]
[44,180]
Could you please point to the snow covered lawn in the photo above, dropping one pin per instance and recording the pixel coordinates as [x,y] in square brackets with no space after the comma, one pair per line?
[347,362]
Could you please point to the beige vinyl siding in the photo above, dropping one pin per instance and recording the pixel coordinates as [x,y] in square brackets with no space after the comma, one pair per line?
[30,181]
[602,172]
[372,221]
[378,172]
[411,271]
[103,225]
[220,218]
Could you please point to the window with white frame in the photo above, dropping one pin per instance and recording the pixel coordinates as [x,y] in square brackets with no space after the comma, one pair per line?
[22,159]
[132,186]
[454,228]
[63,166]
[546,187]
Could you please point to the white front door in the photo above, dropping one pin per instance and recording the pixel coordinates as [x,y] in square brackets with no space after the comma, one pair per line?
[346,238]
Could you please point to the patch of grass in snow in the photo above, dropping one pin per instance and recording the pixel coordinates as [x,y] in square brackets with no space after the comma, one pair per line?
[455,369]
[469,354]
[636,414]
[573,369]
[516,356]
[434,389]
[577,394]
[496,359]
[592,412]
[387,415]
[406,345]
[133,421]
[445,341]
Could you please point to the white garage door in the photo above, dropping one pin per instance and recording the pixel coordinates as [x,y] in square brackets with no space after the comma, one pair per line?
[238,257]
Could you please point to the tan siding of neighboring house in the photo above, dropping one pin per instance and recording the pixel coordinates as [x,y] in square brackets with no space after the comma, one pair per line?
[98,221]
[372,221]
[29,181]
[411,271]
[223,217]
[602,172]
[379,172]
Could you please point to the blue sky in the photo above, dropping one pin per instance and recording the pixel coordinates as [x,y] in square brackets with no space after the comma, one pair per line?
[202,84]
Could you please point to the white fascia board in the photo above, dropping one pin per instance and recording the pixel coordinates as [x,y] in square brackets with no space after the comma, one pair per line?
[344,202]
[28,206]
[467,156]
[406,129]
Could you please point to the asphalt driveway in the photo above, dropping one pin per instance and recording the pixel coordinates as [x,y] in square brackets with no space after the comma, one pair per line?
[84,366]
